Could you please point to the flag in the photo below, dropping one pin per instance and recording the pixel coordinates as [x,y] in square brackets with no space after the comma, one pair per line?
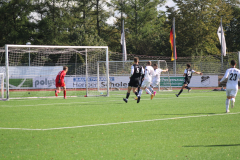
[171,42]
[123,43]
[223,43]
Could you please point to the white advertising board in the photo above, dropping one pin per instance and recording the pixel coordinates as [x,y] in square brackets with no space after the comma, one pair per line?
[116,82]
[204,81]
[80,82]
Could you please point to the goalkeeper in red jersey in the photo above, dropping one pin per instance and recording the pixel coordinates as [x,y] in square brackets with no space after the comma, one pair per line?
[60,82]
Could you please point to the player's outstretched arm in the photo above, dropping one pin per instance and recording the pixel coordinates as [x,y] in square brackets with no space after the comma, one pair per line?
[166,70]
[225,76]
[199,73]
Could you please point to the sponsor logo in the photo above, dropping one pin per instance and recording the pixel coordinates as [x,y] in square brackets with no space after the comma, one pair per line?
[115,85]
[205,80]
[83,85]
[45,82]
[91,79]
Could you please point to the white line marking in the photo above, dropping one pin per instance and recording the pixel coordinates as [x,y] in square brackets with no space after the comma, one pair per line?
[108,124]
[67,103]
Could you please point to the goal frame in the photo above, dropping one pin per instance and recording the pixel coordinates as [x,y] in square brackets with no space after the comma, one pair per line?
[2,85]
[7,46]
[132,62]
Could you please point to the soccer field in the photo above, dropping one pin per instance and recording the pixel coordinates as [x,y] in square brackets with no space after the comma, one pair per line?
[192,126]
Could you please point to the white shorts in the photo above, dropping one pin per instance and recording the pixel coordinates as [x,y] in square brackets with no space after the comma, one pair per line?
[155,83]
[145,84]
[231,92]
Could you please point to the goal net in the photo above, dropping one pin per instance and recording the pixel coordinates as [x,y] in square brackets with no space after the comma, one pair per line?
[119,72]
[31,70]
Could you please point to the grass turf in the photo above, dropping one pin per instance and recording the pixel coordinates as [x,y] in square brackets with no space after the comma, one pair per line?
[192,126]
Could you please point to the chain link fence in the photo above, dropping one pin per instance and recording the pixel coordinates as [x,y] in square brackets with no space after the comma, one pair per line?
[211,64]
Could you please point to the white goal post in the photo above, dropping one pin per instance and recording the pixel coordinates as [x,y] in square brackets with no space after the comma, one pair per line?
[119,72]
[2,85]
[33,68]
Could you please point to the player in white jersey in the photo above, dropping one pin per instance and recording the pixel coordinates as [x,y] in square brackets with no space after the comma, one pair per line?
[232,75]
[156,78]
[149,72]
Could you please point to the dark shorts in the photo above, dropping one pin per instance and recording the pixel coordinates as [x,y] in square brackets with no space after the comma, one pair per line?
[186,81]
[133,83]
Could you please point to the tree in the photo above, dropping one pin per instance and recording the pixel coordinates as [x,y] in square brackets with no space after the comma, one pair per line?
[233,31]
[14,23]
[197,22]
[142,24]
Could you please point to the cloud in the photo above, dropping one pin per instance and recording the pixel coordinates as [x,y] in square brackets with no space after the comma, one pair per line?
[169,3]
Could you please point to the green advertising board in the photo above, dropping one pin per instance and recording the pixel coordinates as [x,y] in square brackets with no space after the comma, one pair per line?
[175,81]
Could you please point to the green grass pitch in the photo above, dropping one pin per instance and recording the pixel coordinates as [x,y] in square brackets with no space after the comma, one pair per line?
[192,126]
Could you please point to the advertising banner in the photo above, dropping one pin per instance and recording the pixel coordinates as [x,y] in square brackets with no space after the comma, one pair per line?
[80,82]
[204,81]
[175,81]
[196,81]
[122,82]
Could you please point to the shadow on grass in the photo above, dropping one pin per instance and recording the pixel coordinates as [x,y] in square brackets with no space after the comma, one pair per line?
[220,145]
[189,114]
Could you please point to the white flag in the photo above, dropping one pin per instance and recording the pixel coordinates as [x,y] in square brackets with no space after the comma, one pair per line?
[123,42]
[223,43]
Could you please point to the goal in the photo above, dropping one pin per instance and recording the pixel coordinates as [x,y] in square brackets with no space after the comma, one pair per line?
[2,86]
[31,70]
[119,72]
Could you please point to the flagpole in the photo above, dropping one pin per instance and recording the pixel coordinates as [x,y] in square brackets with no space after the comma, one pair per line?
[174,46]
[123,41]
[221,46]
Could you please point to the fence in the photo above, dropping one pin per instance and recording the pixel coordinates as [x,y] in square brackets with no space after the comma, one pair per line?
[207,64]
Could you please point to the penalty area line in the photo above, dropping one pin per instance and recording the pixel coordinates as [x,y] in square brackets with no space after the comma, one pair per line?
[117,123]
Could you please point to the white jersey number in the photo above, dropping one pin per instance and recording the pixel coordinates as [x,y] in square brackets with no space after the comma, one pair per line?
[189,73]
[137,71]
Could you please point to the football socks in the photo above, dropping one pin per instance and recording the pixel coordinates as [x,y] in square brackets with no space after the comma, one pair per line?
[136,93]
[147,90]
[128,94]
[150,89]
[227,104]
[140,92]
[187,87]
[64,93]
[232,102]
[180,91]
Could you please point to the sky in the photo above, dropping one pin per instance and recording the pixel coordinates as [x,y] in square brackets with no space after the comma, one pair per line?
[169,3]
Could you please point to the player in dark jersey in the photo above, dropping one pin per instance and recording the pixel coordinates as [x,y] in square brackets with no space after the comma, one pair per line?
[136,72]
[140,84]
[187,77]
